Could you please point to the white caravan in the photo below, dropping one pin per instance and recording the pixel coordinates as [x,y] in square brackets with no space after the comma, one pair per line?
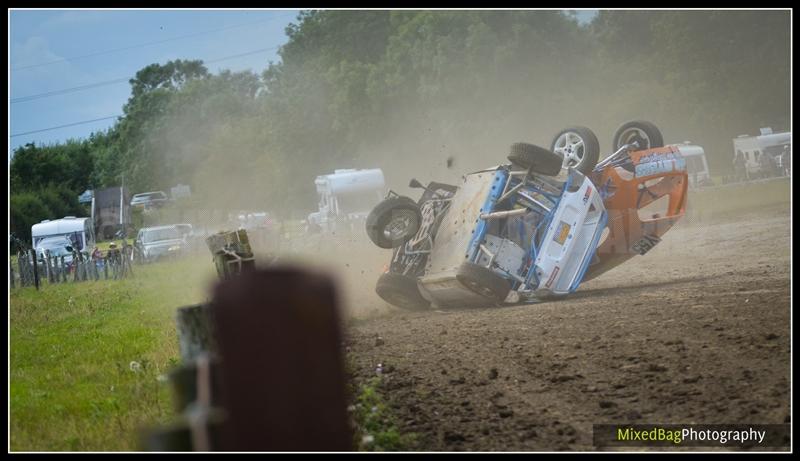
[80,231]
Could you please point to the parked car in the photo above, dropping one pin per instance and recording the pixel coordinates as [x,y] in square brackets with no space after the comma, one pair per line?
[525,231]
[148,200]
[56,247]
[255,220]
[186,231]
[154,243]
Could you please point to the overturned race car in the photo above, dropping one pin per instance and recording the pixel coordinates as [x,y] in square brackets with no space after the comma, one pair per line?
[535,228]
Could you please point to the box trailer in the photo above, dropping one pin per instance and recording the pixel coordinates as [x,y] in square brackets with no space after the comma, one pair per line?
[111,211]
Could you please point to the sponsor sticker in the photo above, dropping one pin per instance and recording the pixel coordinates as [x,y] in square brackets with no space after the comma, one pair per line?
[552,277]
[587,194]
[657,164]
[562,232]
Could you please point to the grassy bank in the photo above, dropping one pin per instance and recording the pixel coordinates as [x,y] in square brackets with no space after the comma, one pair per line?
[86,358]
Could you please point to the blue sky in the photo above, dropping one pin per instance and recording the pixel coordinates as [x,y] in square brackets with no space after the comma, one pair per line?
[39,37]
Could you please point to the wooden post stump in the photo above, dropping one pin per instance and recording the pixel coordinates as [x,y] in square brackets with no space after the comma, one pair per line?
[195,332]
[232,253]
[279,340]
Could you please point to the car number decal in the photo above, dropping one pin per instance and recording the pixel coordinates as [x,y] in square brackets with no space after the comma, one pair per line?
[645,244]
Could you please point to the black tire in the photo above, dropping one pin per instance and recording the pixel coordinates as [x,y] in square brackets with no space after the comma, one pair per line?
[584,155]
[648,135]
[384,220]
[537,159]
[483,281]
[401,291]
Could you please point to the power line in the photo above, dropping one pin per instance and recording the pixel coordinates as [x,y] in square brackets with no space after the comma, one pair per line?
[262,50]
[99,53]
[53,93]
[67,90]
[121,80]
[65,126]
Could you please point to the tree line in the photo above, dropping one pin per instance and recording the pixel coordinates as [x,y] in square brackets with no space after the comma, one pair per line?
[414,92]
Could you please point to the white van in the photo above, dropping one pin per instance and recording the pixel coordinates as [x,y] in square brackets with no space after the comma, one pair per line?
[80,231]
[696,164]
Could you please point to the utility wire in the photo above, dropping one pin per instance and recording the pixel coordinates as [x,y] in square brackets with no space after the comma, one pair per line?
[48,94]
[67,90]
[52,93]
[99,53]
[67,125]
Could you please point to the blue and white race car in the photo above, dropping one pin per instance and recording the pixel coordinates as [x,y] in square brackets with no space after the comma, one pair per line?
[518,232]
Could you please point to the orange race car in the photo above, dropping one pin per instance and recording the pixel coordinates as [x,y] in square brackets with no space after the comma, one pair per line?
[643,185]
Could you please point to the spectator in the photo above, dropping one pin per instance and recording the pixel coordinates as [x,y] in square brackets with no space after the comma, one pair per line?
[113,255]
[767,165]
[785,161]
[97,257]
[740,166]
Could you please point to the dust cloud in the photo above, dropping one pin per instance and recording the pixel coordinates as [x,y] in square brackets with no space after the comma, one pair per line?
[470,129]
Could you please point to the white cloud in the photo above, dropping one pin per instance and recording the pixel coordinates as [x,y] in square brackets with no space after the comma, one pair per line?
[32,80]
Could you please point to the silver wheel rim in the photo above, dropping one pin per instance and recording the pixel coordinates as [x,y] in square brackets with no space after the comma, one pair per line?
[571,148]
[398,226]
[635,134]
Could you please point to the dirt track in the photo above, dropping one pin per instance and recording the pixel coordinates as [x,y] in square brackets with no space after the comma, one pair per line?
[696,331]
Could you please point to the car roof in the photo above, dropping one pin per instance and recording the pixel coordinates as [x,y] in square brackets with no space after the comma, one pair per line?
[171,226]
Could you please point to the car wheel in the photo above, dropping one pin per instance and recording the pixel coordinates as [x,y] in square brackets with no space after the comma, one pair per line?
[393,222]
[578,148]
[401,291]
[537,159]
[483,281]
[645,133]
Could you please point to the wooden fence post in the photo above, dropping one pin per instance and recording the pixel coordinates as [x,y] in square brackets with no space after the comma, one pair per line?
[195,333]
[105,266]
[46,260]
[52,268]
[86,269]
[11,269]
[35,270]
[63,270]
[21,265]
[288,320]
[76,264]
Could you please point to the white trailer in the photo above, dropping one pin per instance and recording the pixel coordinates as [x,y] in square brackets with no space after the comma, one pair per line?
[777,146]
[696,164]
[346,197]
[80,231]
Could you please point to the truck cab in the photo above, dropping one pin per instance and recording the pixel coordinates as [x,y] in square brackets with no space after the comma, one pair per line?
[345,199]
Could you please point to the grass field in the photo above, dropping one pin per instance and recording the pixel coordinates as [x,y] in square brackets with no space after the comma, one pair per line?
[72,345]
